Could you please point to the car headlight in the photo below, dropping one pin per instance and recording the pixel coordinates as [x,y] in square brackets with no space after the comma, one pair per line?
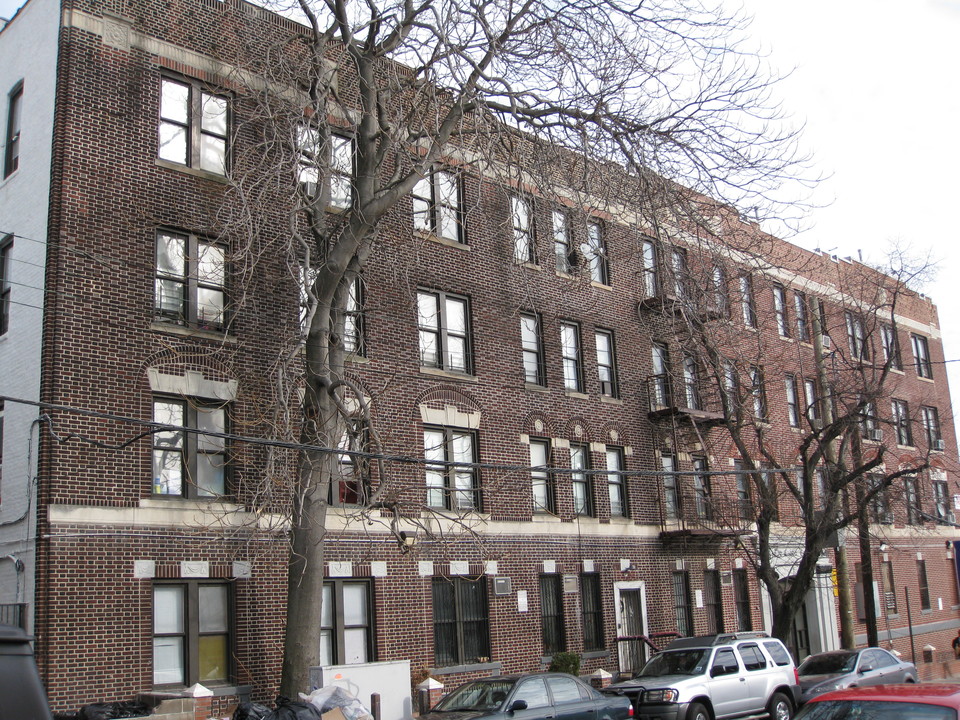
[667,695]
[826,687]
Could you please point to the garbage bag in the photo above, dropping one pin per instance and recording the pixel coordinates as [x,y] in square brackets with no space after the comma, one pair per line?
[250,711]
[330,697]
[292,710]
[113,711]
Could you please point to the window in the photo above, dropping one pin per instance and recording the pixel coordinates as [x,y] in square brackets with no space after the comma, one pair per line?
[353,325]
[743,492]
[758,392]
[719,298]
[570,352]
[606,363]
[6,256]
[449,486]
[346,623]
[713,601]
[522,229]
[780,310]
[911,498]
[11,140]
[582,486]
[889,587]
[551,614]
[746,301]
[941,497]
[616,487]
[190,282]
[193,126]
[731,387]
[802,314]
[812,397]
[531,341]
[189,464]
[649,285]
[594,250]
[671,488]
[880,503]
[191,633]
[753,659]
[901,422]
[437,205]
[891,346]
[856,335]
[724,663]
[931,427]
[921,356]
[561,242]
[444,331]
[869,425]
[461,632]
[793,401]
[701,489]
[660,385]
[741,598]
[691,382]
[923,584]
[592,612]
[681,273]
[338,165]
[351,485]
[540,476]
[681,602]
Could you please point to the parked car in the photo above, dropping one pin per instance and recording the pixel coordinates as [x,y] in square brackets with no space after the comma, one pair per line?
[714,678]
[841,669]
[530,697]
[915,701]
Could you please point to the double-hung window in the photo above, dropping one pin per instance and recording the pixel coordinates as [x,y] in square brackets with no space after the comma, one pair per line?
[353,330]
[747,303]
[744,499]
[334,162]
[437,205]
[649,284]
[812,399]
[193,126]
[719,293]
[941,496]
[582,487]
[681,273]
[192,636]
[901,422]
[671,487]
[461,632]
[793,401]
[11,139]
[780,310]
[346,623]
[702,495]
[6,255]
[540,478]
[190,286]
[450,476]
[931,427]
[189,463]
[869,424]
[522,229]
[551,614]
[444,331]
[561,241]
[921,356]
[691,382]
[592,611]
[923,585]
[802,314]
[880,503]
[351,485]
[759,393]
[891,347]
[856,336]
[911,499]
[606,363]
[616,485]
[531,341]
[570,354]
[594,250]
[660,389]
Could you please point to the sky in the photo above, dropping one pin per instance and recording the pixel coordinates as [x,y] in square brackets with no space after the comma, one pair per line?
[875,84]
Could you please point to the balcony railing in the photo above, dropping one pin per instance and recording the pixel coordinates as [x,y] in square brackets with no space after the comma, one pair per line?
[689,506]
[687,398]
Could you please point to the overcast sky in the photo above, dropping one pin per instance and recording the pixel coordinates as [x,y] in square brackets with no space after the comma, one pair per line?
[876,84]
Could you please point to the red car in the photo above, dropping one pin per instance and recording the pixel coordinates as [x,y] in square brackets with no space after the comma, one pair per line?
[886,702]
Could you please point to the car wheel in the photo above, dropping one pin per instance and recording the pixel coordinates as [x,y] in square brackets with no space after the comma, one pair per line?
[698,711]
[780,707]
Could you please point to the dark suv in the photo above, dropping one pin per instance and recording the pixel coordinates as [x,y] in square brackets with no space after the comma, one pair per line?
[716,677]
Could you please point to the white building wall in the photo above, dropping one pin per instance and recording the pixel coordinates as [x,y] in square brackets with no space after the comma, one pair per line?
[28,54]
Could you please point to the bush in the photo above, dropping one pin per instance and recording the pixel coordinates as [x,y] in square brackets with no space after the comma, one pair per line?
[565,662]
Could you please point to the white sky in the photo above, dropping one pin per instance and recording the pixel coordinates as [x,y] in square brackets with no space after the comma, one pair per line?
[876,83]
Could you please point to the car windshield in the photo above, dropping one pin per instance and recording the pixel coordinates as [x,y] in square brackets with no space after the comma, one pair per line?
[828,664]
[476,696]
[874,710]
[676,662]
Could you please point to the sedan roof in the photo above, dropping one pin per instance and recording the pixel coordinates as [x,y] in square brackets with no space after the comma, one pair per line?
[932,694]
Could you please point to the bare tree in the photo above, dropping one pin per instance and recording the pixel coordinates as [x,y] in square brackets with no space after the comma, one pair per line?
[654,109]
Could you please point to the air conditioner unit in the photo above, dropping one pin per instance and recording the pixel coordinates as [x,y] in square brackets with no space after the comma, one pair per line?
[938,445]
[827,342]
[875,434]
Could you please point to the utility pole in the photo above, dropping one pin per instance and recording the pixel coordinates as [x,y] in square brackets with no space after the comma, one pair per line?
[847,637]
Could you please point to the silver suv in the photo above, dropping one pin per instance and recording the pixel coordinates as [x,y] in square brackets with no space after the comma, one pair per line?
[714,678]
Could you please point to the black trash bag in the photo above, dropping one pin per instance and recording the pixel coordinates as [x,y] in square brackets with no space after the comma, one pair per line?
[250,711]
[113,711]
[288,709]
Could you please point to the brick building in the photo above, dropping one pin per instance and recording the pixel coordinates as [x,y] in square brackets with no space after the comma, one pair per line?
[121,304]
